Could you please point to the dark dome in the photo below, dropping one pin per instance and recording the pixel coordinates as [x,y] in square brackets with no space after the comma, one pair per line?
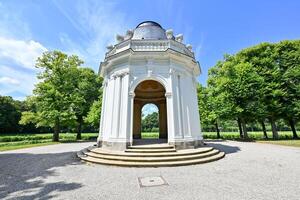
[149,30]
[148,23]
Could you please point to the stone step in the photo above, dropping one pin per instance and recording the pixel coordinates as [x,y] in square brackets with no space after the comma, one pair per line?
[164,146]
[154,164]
[153,159]
[155,154]
[149,150]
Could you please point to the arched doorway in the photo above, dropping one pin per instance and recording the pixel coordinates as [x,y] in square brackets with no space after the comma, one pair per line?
[153,92]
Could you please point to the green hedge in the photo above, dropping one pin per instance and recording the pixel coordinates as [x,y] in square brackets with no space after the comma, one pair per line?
[47,136]
[251,135]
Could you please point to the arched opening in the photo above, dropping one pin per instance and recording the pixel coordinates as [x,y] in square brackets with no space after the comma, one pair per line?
[150,92]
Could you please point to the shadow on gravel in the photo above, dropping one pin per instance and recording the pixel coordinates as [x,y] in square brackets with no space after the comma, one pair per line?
[222,147]
[22,174]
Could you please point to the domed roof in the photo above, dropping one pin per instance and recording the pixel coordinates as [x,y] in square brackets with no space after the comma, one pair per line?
[149,30]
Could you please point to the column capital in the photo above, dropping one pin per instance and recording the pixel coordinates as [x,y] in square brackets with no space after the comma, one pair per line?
[168,94]
[132,94]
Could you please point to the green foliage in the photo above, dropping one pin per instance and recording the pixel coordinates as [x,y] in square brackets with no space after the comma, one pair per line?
[94,114]
[10,114]
[87,91]
[251,135]
[150,122]
[258,83]
[17,141]
[64,94]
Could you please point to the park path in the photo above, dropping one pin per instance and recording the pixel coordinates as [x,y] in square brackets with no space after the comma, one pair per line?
[248,171]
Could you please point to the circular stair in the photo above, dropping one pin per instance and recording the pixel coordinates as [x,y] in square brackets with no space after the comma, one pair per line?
[159,155]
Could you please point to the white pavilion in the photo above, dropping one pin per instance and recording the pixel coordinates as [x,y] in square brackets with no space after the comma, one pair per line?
[150,65]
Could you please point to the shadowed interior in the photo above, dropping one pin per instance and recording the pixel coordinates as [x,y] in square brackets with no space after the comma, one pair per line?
[150,91]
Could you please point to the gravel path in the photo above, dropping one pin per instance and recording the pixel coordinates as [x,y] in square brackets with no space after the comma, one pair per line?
[249,171]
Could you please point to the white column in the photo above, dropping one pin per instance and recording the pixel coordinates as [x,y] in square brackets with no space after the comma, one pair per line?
[103,106]
[119,104]
[179,105]
[130,117]
[113,109]
[170,117]
[108,112]
[125,103]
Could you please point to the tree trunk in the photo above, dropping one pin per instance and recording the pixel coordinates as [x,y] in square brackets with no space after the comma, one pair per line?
[56,131]
[79,127]
[292,124]
[240,127]
[264,129]
[274,129]
[244,128]
[218,130]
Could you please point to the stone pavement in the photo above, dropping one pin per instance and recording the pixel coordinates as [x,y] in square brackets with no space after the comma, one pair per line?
[248,171]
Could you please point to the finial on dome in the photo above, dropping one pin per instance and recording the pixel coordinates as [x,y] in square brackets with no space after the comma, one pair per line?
[179,38]
[189,47]
[109,47]
[128,35]
[169,34]
[119,38]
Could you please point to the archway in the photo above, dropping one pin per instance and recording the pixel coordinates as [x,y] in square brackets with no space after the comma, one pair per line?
[146,92]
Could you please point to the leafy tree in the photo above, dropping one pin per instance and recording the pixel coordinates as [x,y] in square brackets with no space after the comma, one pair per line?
[94,114]
[236,85]
[208,108]
[150,121]
[87,90]
[53,94]
[10,114]
[287,56]
[263,61]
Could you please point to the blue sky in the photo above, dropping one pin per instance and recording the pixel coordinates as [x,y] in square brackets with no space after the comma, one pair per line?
[27,28]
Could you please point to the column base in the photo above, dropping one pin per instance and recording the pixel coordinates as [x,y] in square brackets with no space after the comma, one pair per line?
[187,144]
[113,145]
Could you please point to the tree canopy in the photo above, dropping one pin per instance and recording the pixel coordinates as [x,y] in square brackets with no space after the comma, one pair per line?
[64,93]
[257,83]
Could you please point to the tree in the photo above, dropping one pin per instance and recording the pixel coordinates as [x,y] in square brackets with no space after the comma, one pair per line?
[258,83]
[263,58]
[94,114]
[208,108]
[87,90]
[53,94]
[287,56]
[237,86]
[10,114]
[150,121]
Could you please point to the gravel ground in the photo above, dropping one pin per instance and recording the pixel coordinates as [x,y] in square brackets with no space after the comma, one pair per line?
[249,171]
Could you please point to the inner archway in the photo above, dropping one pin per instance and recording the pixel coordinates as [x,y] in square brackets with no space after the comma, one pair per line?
[150,121]
[153,92]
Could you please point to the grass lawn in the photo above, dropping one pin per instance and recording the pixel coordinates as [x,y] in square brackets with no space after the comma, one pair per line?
[285,137]
[293,143]
[19,141]
[255,135]
[23,146]
[150,135]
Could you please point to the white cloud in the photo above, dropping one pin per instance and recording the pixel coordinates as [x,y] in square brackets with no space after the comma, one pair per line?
[98,22]
[21,52]
[9,80]
[22,83]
